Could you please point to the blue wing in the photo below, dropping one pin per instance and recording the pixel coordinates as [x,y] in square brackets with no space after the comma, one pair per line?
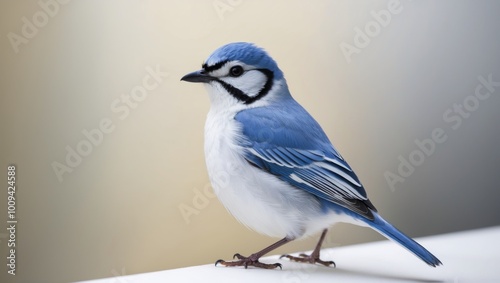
[288,143]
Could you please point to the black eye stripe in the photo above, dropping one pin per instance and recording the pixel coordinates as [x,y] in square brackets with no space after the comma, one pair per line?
[235,92]
[213,67]
[241,96]
[266,88]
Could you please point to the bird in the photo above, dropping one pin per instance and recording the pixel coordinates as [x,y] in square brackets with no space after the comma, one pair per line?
[271,164]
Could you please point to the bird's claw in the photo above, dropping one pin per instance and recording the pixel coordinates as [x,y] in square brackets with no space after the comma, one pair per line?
[247,261]
[308,259]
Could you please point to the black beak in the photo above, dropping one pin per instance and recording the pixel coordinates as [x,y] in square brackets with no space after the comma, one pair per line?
[198,77]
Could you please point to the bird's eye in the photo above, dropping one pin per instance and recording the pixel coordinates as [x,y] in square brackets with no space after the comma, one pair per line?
[236,71]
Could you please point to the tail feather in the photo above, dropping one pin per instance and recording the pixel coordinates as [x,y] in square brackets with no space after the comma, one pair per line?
[389,231]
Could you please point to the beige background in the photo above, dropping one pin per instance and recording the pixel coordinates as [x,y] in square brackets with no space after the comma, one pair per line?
[118,211]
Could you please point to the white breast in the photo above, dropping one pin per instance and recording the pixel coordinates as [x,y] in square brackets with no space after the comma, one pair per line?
[257,199]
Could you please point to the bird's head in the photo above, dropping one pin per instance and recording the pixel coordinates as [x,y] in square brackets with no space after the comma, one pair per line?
[240,74]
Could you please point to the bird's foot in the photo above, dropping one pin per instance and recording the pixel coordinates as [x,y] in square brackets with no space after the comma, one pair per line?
[248,261]
[309,259]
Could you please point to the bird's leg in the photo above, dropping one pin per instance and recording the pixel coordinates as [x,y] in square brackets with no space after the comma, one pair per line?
[314,256]
[253,260]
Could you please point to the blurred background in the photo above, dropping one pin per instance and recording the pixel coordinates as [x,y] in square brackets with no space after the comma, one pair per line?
[108,143]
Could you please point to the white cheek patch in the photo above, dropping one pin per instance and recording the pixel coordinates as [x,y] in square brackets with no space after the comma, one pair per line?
[250,83]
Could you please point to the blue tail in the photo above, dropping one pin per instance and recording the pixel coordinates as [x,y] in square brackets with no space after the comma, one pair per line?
[389,231]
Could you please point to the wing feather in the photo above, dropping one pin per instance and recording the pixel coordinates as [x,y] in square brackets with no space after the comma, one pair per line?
[301,154]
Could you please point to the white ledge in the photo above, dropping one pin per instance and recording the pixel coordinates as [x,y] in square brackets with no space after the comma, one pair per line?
[470,256]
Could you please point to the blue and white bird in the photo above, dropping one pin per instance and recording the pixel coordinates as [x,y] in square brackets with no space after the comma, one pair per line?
[270,163]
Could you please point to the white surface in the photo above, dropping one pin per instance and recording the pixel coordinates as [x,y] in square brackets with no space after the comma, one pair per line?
[470,256]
